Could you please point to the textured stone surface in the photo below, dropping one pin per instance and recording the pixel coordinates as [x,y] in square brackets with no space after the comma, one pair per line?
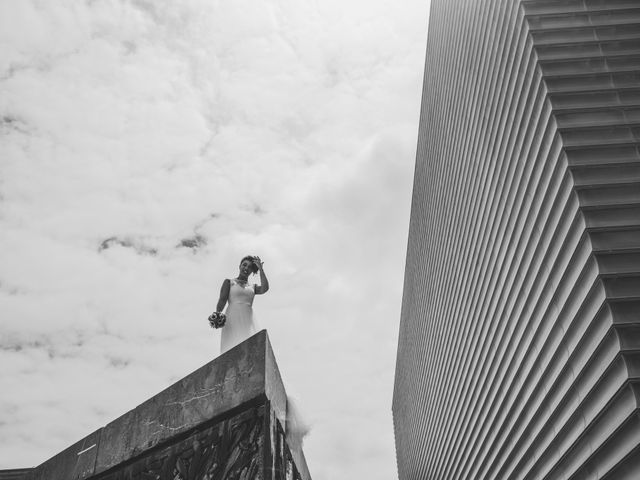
[14,473]
[274,388]
[249,445]
[231,386]
[232,379]
[75,462]
[280,459]
[230,449]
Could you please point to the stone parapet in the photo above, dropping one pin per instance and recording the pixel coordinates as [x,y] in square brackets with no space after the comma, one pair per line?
[227,416]
[14,473]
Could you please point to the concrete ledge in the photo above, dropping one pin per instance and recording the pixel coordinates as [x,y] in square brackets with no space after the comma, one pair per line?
[14,473]
[243,374]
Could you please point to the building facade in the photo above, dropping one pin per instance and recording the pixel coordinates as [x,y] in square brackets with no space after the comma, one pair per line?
[519,345]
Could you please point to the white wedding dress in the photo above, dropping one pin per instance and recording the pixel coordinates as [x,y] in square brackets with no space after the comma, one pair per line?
[239,325]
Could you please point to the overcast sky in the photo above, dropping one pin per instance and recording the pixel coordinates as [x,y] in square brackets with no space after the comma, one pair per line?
[145,147]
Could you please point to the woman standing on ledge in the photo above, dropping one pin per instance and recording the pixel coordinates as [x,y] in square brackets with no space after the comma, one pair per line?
[239,293]
[239,325]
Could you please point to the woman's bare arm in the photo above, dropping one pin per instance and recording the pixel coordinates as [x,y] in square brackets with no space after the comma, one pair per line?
[264,281]
[224,295]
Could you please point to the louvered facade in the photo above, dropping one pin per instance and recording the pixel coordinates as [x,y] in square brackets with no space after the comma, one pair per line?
[519,345]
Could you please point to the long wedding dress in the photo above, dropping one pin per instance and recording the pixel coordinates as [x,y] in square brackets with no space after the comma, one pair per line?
[239,325]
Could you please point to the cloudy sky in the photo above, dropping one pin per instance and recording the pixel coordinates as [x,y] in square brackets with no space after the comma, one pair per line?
[145,147]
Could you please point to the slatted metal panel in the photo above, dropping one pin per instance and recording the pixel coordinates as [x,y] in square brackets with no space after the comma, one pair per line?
[519,347]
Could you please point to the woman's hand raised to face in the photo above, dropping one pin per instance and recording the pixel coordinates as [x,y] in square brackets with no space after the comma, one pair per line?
[264,283]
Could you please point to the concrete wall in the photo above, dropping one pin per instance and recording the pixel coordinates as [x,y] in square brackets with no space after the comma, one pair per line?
[227,418]
[519,348]
[14,473]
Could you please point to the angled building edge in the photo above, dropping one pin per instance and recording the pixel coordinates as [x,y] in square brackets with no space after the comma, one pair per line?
[519,339]
[225,420]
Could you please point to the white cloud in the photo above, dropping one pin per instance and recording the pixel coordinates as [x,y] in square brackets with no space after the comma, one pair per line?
[145,147]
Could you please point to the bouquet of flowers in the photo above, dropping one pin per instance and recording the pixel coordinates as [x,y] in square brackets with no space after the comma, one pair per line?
[217,319]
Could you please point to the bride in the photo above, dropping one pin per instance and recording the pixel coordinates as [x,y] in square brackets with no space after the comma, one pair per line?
[239,326]
[239,294]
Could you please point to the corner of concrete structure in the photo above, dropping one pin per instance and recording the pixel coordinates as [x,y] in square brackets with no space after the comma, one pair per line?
[232,379]
[295,446]
[274,388]
[75,462]
[281,407]
[245,374]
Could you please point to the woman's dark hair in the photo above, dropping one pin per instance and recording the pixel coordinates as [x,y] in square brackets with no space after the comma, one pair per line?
[254,267]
